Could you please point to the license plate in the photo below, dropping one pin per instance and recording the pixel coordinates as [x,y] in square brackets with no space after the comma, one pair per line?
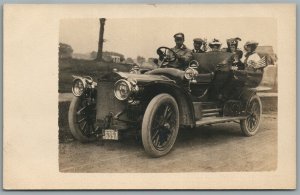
[110,134]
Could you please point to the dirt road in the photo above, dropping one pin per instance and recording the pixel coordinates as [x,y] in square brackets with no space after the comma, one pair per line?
[211,148]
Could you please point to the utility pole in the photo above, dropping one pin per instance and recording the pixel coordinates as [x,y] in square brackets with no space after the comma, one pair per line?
[101,40]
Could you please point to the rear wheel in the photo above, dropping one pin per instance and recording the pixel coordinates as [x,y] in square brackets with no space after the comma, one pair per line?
[160,125]
[251,124]
[82,117]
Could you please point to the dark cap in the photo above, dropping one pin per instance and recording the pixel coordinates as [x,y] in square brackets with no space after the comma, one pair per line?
[179,35]
[198,40]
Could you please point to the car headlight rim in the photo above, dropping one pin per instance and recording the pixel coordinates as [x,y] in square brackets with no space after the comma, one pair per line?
[78,87]
[190,73]
[123,89]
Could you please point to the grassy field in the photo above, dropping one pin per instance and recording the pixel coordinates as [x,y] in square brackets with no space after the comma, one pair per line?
[69,67]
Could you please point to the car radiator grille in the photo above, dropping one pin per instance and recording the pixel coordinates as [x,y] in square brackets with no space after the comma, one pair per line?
[106,101]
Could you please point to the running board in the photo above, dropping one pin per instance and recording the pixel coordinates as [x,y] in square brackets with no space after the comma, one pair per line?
[213,120]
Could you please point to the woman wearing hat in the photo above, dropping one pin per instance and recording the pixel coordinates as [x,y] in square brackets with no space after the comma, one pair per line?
[252,59]
[238,54]
[232,44]
[215,45]
[233,84]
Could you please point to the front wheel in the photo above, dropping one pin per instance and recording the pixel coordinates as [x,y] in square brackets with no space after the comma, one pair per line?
[251,124]
[82,117]
[160,125]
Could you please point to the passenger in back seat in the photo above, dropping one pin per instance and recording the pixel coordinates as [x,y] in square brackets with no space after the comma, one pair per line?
[233,85]
[215,45]
[252,60]
[232,47]
[198,42]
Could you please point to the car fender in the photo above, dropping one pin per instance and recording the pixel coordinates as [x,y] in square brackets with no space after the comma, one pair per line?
[246,94]
[181,95]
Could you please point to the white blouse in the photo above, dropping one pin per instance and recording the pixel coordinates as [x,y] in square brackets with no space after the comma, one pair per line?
[252,61]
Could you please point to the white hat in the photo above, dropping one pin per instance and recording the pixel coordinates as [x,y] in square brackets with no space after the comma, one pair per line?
[215,42]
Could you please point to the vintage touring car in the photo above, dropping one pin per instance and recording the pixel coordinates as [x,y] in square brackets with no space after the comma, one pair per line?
[156,103]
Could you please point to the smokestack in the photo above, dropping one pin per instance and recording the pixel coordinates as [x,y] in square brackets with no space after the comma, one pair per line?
[100,43]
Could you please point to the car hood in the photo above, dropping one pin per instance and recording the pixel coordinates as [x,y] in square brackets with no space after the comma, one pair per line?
[140,78]
[144,78]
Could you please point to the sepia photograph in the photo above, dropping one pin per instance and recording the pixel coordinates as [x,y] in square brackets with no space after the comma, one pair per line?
[168,95]
[149,96]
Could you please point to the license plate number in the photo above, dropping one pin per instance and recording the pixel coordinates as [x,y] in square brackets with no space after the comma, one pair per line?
[110,134]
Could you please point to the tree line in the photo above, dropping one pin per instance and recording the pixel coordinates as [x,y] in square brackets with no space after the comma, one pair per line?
[66,51]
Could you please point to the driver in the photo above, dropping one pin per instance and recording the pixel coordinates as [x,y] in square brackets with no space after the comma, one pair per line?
[184,55]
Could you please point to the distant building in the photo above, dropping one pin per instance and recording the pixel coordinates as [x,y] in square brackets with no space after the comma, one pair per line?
[116,59]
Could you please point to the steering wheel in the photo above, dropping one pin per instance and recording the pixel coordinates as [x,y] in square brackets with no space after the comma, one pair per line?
[166,55]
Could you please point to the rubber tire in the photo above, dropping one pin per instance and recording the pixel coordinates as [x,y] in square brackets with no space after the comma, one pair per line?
[74,127]
[245,130]
[147,121]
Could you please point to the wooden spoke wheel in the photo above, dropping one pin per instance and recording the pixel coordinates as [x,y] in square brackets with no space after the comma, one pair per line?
[251,124]
[82,117]
[160,125]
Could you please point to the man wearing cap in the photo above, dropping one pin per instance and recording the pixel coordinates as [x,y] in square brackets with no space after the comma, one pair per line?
[184,55]
[198,42]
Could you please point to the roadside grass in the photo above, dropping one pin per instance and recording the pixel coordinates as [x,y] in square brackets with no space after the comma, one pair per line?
[64,133]
[80,67]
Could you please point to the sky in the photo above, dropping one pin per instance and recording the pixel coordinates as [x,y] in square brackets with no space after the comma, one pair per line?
[142,36]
